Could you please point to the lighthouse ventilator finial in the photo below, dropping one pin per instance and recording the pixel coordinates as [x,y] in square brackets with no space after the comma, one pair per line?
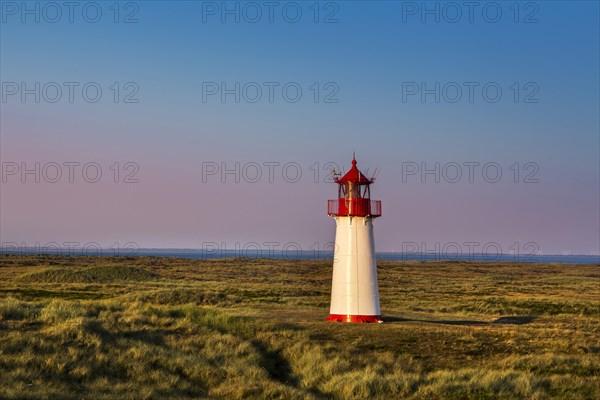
[354,289]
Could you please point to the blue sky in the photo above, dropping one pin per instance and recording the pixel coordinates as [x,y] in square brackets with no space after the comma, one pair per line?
[373,51]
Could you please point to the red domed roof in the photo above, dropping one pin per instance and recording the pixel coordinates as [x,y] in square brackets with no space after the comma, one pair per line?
[354,176]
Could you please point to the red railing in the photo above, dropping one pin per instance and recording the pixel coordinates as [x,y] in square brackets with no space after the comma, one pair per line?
[354,207]
[375,208]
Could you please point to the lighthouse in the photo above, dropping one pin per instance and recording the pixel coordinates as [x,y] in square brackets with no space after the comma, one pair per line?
[354,290]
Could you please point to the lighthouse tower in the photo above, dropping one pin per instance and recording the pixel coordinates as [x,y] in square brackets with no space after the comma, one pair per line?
[354,290]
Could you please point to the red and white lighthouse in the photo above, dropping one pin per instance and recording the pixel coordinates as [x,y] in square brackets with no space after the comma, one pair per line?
[354,290]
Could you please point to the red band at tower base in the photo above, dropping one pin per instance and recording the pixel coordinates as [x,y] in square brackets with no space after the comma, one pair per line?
[355,318]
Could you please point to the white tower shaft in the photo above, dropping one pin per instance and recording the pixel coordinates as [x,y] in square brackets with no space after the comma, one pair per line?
[354,290]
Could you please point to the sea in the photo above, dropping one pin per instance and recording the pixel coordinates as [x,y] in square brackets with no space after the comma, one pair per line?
[307,255]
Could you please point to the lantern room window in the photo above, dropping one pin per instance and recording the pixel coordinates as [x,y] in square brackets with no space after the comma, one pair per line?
[354,191]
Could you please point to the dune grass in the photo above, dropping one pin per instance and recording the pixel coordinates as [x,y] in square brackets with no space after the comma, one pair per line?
[143,327]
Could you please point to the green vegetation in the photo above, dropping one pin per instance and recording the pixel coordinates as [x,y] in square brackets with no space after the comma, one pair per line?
[143,327]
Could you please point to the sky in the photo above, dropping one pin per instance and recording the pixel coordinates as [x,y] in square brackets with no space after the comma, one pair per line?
[189,124]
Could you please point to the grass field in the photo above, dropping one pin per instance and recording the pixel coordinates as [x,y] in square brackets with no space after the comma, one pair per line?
[142,327]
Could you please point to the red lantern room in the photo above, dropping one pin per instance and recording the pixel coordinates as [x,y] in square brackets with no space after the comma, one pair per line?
[354,196]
